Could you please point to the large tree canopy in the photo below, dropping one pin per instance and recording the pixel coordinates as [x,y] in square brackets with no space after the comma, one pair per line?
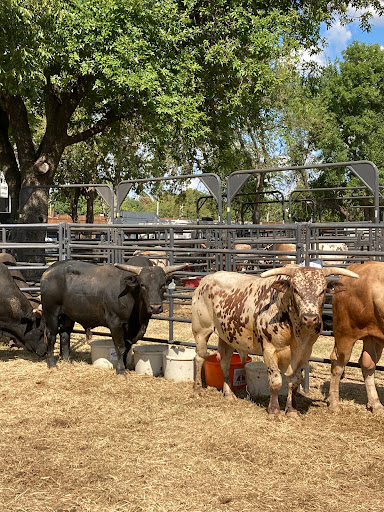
[187,71]
[350,99]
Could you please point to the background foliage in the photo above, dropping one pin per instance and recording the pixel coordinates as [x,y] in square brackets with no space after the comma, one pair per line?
[108,90]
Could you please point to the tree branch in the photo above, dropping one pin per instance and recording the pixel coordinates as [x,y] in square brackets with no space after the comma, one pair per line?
[98,127]
[70,101]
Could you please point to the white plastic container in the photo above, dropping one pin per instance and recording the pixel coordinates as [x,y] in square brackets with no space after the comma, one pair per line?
[257,380]
[148,359]
[179,363]
[105,349]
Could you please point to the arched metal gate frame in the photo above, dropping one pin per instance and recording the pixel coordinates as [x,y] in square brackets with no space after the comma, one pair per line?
[211,181]
[365,170]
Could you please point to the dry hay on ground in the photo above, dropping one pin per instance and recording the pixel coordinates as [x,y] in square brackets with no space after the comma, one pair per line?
[81,439]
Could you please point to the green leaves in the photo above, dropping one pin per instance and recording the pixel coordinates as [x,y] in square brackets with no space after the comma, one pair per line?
[199,79]
[353,92]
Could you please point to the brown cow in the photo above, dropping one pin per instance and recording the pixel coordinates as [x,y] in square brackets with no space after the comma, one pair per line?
[243,247]
[329,259]
[157,255]
[278,314]
[358,313]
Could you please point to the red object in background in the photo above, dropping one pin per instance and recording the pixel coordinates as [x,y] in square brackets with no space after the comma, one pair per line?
[214,375]
[191,282]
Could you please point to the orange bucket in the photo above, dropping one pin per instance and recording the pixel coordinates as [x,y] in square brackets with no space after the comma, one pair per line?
[214,375]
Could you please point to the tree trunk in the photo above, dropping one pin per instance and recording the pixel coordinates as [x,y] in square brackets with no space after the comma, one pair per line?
[90,195]
[34,197]
[9,165]
[73,199]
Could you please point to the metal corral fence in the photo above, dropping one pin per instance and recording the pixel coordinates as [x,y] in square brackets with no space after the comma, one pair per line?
[205,247]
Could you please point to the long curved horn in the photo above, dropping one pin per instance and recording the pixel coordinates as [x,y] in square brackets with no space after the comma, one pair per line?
[336,271]
[174,268]
[281,271]
[129,268]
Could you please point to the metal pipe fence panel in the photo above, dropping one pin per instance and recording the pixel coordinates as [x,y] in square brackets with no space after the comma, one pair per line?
[206,248]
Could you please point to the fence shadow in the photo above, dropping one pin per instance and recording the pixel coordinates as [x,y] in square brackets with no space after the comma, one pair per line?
[80,352]
[353,391]
[11,353]
[303,403]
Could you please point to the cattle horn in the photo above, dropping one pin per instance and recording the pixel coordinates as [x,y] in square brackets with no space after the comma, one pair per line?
[174,268]
[129,268]
[328,271]
[281,271]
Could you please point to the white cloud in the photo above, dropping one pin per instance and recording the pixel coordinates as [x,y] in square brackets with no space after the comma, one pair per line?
[307,56]
[337,38]
[338,35]
[375,21]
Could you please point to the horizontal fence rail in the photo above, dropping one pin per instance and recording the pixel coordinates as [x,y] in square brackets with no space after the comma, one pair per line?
[206,248]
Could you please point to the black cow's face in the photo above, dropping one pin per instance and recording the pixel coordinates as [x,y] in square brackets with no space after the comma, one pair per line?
[34,340]
[152,282]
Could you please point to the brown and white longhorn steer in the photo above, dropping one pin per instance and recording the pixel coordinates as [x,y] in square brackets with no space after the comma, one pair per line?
[278,314]
[358,314]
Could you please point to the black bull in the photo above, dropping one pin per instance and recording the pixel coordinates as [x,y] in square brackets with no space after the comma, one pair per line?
[121,297]
[17,318]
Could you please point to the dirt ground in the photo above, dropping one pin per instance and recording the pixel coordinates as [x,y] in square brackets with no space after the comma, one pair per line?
[78,439]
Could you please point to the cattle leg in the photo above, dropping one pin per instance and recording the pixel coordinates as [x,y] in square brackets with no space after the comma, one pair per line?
[370,355]
[226,352]
[275,382]
[50,339]
[117,333]
[293,384]
[50,333]
[65,331]
[201,336]
[338,362]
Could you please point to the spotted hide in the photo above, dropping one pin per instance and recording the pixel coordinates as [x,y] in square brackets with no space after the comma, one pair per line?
[278,314]
[358,314]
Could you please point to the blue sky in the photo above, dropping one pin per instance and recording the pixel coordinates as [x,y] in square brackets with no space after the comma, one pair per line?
[339,37]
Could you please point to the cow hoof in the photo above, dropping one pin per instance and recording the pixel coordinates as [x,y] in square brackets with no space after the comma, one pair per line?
[292,414]
[121,372]
[334,408]
[275,416]
[230,396]
[51,363]
[377,409]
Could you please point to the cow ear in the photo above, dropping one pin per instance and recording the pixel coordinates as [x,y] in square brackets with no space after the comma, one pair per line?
[131,280]
[280,286]
[335,287]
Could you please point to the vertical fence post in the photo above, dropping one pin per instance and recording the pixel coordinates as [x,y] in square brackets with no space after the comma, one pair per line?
[307,244]
[62,238]
[68,241]
[170,287]
[4,237]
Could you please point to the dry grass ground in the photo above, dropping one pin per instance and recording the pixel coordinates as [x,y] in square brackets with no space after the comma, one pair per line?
[79,439]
